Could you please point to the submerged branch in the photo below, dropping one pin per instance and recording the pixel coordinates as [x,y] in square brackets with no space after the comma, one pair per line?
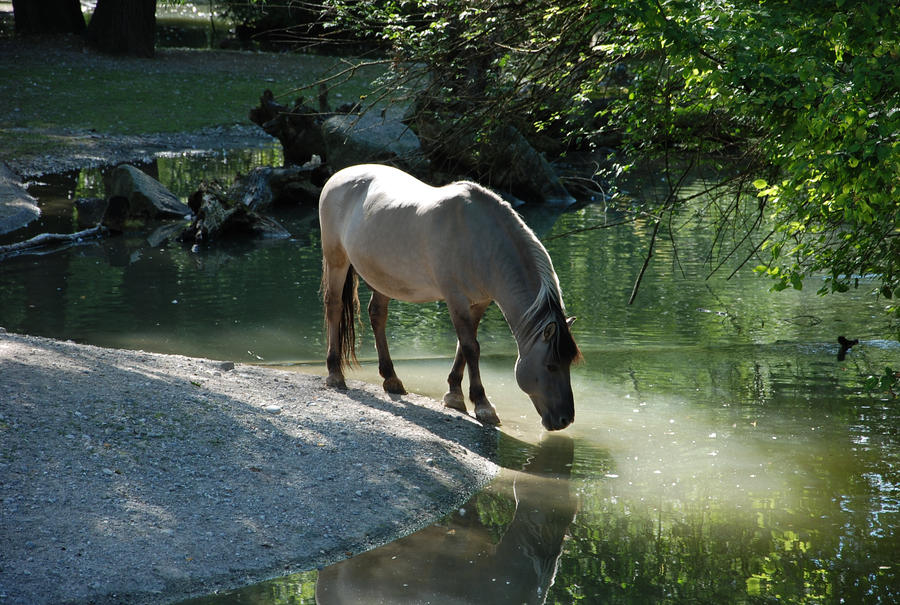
[624,221]
[46,240]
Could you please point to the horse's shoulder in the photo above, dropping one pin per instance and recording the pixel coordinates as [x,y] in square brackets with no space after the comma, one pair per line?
[472,194]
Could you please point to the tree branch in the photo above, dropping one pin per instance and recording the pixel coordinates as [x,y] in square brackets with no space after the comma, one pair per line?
[637,282]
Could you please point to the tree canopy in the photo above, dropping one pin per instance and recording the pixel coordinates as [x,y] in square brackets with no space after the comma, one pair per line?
[801,96]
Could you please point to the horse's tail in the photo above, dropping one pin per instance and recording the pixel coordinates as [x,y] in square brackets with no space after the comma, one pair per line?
[347,329]
[346,340]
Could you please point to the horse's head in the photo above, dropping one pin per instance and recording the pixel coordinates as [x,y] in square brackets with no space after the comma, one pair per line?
[542,371]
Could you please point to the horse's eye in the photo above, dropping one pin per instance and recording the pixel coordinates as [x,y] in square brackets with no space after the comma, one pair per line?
[552,367]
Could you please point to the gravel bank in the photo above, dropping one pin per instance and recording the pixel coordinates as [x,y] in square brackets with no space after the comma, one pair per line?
[78,149]
[85,150]
[135,477]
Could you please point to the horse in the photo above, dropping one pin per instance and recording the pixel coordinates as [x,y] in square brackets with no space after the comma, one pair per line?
[460,243]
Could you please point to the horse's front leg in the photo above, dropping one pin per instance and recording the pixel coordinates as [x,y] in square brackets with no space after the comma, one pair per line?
[454,398]
[465,320]
[378,310]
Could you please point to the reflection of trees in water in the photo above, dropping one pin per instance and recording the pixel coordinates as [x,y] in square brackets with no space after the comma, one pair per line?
[716,553]
[501,547]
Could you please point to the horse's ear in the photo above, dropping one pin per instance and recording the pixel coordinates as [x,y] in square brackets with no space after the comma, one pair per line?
[570,321]
[549,330]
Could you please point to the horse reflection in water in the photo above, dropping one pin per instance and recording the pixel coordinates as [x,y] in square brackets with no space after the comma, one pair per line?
[460,560]
[461,244]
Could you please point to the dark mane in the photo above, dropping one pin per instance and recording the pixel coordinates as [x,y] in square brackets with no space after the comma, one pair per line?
[548,307]
[548,304]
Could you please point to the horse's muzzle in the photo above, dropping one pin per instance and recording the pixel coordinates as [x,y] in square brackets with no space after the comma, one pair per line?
[557,421]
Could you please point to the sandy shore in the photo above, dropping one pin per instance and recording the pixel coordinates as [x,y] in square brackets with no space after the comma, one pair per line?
[135,477]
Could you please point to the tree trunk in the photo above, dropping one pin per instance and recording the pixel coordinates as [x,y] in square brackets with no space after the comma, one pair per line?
[48,16]
[123,27]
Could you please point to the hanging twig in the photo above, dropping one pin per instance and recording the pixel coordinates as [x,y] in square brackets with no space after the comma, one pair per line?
[666,207]
[637,282]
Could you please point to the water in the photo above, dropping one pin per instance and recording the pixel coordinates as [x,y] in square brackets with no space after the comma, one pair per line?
[720,452]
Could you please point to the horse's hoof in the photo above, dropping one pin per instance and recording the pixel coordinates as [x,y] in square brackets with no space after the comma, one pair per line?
[455,401]
[487,414]
[394,386]
[336,382]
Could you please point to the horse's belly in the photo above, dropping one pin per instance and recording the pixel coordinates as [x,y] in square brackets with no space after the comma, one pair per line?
[398,248]
[400,281]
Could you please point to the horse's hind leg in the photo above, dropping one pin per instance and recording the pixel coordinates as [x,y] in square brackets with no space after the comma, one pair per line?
[466,320]
[334,276]
[378,310]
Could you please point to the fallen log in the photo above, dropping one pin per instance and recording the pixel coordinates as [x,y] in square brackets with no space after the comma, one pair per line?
[47,240]
[265,185]
[218,216]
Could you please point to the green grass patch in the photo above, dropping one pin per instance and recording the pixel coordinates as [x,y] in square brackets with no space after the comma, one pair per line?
[129,102]
[64,90]
[138,98]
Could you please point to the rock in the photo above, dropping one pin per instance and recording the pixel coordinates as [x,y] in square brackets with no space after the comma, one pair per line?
[115,213]
[147,198]
[17,207]
[90,211]
[367,138]
[515,166]
[503,160]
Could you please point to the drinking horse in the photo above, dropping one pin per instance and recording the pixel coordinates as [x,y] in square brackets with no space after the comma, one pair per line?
[461,244]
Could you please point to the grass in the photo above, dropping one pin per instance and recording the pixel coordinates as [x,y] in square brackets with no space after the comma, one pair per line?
[133,101]
[49,90]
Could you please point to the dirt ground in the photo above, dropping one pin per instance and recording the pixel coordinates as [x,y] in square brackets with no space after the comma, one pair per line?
[136,477]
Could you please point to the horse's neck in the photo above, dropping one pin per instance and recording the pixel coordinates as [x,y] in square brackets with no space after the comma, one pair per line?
[517,283]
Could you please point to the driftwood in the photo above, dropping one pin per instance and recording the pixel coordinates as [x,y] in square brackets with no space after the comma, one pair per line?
[48,240]
[216,216]
[265,185]
[299,128]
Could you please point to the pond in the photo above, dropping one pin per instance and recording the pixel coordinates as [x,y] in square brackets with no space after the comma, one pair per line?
[720,452]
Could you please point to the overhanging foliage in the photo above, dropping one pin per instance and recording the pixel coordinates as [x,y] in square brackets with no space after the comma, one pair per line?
[805,95]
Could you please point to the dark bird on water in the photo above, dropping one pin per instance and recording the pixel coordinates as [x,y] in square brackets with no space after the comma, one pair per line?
[846,344]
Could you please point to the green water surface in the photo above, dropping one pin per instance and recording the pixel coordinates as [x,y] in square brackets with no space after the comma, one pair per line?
[720,453]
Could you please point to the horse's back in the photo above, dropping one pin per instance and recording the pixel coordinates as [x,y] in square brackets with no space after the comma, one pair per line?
[394,229]
[368,195]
